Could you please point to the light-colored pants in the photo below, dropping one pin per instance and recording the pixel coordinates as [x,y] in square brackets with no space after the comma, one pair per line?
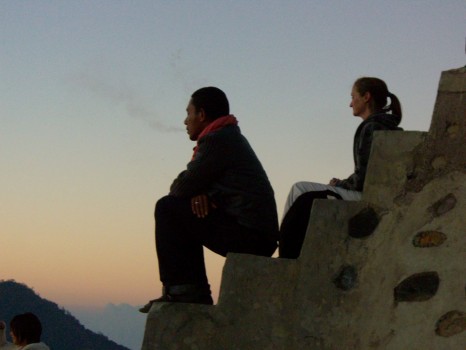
[302,187]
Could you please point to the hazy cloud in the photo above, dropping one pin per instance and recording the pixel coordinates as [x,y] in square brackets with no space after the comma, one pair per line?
[126,97]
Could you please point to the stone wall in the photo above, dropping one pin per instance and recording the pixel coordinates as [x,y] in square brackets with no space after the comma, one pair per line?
[388,272]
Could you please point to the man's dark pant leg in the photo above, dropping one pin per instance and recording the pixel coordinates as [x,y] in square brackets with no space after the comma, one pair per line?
[179,252]
[181,235]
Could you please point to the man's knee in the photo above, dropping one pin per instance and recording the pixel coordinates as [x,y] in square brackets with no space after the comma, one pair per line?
[170,205]
[161,205]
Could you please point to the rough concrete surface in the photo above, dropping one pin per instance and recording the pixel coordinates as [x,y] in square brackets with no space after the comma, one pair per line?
[388,272]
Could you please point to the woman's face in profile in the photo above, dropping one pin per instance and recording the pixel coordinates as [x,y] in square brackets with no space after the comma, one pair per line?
[359,104]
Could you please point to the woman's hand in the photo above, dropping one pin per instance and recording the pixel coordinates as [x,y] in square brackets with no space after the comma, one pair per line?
[201,205]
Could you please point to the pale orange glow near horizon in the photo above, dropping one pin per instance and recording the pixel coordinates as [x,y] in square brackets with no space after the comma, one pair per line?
[95,287]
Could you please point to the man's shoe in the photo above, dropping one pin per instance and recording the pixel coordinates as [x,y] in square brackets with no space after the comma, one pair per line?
[182,294]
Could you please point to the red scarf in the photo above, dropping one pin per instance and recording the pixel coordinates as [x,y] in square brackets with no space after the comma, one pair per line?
[217,124]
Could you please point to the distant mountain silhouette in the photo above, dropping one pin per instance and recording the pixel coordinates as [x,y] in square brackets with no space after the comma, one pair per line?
[122,323]
[61,330]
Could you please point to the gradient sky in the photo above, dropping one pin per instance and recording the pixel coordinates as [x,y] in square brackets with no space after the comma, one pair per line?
[93,97]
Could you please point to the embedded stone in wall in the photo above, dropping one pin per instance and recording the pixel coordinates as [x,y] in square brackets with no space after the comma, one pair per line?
[418,287]
[346,278]
[363,224]
[428,239]
[452,323]
[443,205]
[453,130]
[439,162]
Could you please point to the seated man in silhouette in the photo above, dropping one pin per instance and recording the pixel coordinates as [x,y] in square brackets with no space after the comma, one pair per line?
[222,201]
[26,330]
[4,344]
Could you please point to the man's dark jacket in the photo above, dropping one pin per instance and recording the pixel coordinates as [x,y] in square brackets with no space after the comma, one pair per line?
[226,168]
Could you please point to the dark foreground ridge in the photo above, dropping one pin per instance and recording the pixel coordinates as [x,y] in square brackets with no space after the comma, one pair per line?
[61,330]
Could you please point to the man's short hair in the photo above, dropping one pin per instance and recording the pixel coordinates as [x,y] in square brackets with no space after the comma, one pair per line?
[212,100]
[26,327]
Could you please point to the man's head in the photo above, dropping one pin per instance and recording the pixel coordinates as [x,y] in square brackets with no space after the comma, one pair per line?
[25,329]
[205,105]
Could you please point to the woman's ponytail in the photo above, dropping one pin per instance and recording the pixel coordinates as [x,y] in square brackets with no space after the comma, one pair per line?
[395,105]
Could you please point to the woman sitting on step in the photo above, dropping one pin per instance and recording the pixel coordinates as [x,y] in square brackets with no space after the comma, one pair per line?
[369,101]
